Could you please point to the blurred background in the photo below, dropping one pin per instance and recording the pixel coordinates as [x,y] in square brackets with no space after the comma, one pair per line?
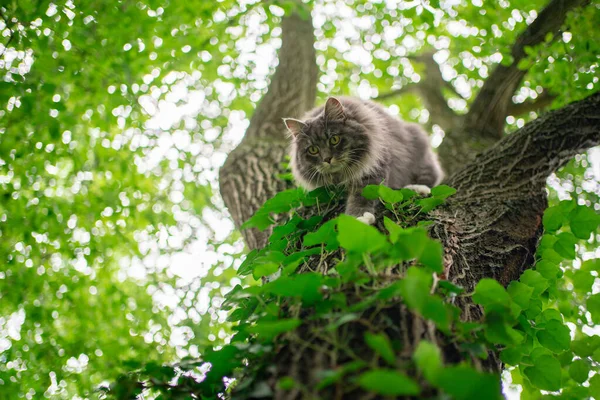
[115,247]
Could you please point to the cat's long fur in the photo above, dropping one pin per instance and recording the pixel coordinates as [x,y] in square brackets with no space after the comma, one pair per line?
[375,147]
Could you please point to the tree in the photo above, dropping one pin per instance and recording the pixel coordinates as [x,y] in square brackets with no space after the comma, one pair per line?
[490,230]
[115,115]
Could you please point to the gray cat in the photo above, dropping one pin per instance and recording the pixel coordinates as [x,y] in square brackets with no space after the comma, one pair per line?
[354,143]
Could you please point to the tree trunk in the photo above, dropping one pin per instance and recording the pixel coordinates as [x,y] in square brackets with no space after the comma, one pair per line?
[489,229]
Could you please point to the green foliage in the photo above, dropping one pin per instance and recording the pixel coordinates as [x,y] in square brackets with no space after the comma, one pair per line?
[96,184]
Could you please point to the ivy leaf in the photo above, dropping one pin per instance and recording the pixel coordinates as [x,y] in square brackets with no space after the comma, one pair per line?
[430,203]
[586,346]
[432,256]
[442,191]
[371,192]
[565,245]
[520,294]
[547,269]
[583,221]
[381,344]
[374,192]
[464,383]
[415,287]
[595,386]
[390,195]
[553,218]
[388,383]
[499,331]
[579,370]
[306,286]
[555,336]
[268,330]
[281,202]
[490,294]
[428,359]
[326,234]
[358,237]
[545,373]
[535,280]
[593,306]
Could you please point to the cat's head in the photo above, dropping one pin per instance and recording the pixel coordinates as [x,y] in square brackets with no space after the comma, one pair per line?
[330,148]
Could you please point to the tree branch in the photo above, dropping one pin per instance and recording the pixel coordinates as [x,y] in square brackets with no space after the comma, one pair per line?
[518,165]
[490,108]
[251,172]
[430,90]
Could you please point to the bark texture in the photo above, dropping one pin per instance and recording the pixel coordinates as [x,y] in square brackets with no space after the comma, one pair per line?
[490,228]
[251,172]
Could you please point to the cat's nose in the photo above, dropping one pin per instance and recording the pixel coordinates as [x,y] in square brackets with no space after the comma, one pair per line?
[327,160]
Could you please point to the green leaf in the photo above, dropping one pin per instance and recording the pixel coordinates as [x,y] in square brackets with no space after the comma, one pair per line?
[286,383]
[464,383]
[381,344]
[415,287]
[428,359]
[583,281]
[371,192]
[388,383]
[374,192]
[499,330]
[579,370]
[553,218]
[281,202]
[593,306]
[389,195]
[585,346]
[306,286]
[490,294]
[430,203]
[411,243]
[326,234]
[595,386]
[545,373]
[583,221]
[442,191]
[520,294]
[535,280]
[555,336]
[358,237]
[393,229]
[547,269]
[432,256]
[565,245]
[268,330]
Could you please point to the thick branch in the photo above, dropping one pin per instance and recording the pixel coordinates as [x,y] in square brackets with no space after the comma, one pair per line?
[518,165]
[251,172]
[490,108]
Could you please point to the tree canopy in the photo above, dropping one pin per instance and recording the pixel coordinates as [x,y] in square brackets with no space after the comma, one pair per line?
[117,252]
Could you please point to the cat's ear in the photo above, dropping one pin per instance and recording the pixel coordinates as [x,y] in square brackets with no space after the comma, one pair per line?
[294,126]
[334,111]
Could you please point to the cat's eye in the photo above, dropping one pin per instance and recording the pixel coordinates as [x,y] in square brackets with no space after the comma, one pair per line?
[312,150]
[335,139]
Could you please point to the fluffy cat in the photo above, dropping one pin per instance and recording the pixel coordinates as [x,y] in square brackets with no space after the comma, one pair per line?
[354,143]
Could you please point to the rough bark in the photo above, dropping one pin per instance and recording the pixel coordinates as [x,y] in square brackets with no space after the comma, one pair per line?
[251,172]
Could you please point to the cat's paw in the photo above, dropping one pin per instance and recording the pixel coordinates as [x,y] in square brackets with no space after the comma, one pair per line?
[367,218]
[421,189]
